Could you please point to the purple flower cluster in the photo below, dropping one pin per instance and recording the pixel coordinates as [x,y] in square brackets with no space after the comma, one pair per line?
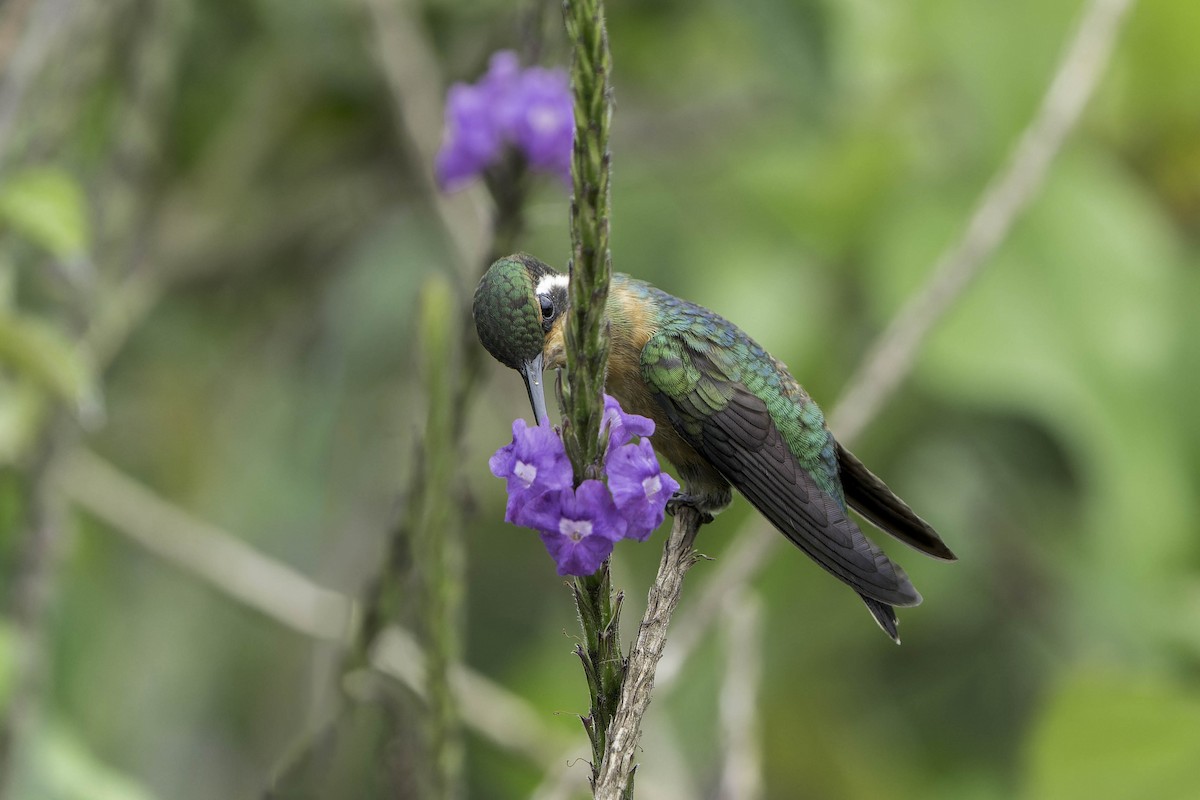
[579,526]
[527,108]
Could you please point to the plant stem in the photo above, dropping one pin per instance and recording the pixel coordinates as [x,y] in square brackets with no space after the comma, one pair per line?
[587,346]
[591,264]
[603,664]
[438,539]
[614,779]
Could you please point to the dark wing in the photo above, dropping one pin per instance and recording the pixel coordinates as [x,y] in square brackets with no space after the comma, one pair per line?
[871,497]
[885,617]
[732,428]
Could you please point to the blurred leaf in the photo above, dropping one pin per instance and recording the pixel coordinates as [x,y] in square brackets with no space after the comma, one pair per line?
[63,769]
[47,206]
[35,348]
[1115,736]
[825,192]
[1078,324]
[20,413]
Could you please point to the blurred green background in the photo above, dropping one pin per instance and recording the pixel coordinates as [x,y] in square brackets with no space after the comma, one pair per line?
[215,227]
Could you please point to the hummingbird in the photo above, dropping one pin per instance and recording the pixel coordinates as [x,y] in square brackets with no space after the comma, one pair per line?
[727,415]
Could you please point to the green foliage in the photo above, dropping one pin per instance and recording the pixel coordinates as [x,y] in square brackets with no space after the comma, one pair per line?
[42,365]
[1115,735]
[22,407]
[39,363]
[35,348]
[797,167]
[46,206]
[63,769]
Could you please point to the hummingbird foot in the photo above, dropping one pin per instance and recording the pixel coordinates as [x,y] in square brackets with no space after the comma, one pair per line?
[688,500]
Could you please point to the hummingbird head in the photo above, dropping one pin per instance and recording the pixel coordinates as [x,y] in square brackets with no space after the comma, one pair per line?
[517,303]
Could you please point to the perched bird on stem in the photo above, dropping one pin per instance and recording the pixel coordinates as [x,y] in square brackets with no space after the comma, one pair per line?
[728,416]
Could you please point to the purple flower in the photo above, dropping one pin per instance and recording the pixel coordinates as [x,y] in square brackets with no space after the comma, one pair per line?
[535,462]
[529,109]
[623,427]
[578,527]
[640,488]
[544,126]
[473,140]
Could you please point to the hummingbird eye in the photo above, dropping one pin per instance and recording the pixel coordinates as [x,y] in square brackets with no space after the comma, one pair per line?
[547,306]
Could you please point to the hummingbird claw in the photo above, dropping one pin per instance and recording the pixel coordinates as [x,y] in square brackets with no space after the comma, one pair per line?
[687,500]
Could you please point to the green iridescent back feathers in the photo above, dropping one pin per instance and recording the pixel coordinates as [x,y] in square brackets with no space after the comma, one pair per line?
[728,416]
[734,358]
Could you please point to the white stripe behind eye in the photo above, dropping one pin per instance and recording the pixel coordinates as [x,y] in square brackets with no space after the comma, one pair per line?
[548,282]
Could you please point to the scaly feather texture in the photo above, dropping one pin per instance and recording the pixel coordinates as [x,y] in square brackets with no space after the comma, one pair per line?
[728,416]
[731,415]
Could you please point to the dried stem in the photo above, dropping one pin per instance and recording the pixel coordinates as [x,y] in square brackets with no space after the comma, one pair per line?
[891,358]
[616,772]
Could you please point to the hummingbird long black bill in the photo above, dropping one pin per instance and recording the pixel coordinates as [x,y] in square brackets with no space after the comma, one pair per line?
[531,371]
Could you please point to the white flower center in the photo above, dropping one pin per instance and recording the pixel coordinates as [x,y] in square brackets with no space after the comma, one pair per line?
[652,485]
[575,529]
[526,473]
[544,119]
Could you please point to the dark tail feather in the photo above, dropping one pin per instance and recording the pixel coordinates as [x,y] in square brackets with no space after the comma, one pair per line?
[885,615]
[879,505]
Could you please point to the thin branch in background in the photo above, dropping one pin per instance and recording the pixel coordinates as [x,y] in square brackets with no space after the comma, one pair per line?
[674,776]
[412,75]
[437,536]
[411,71]
[228,565]
[733,572]
[891,359]
[497,714]
[218,558]
[741,771]
[1016,197]
[432,524]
